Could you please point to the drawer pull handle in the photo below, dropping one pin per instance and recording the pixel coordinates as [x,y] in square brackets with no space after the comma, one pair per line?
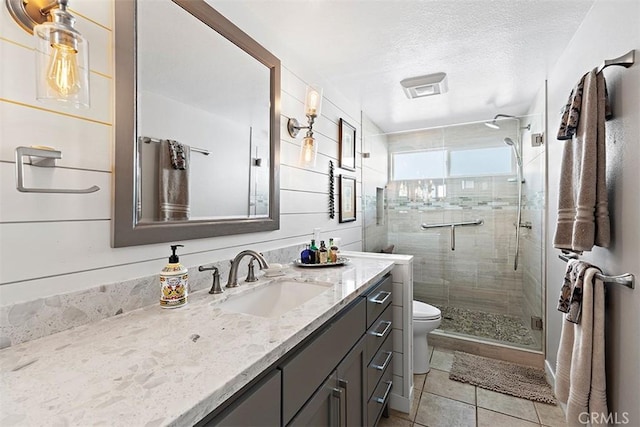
[382,399]
[386,362]
[339,393]
[378,300]
[384,331]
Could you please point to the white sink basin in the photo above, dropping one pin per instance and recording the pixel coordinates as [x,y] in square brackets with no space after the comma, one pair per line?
[276,298]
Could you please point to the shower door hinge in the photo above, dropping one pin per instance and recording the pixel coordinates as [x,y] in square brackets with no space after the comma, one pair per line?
[536,323]
[537,139]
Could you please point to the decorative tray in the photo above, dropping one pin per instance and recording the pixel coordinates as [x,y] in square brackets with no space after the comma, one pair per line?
[339,262]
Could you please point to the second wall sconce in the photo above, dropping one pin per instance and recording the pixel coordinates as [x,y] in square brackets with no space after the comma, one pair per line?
[312,106]
[62,53]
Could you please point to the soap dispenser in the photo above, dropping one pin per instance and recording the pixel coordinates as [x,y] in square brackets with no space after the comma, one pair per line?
[174,287]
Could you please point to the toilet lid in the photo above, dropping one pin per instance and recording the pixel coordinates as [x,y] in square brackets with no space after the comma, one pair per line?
[425,311]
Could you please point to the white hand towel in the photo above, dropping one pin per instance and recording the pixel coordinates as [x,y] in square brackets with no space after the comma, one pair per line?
[587,382]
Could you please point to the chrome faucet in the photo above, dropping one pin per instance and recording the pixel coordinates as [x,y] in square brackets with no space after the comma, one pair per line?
[233,273]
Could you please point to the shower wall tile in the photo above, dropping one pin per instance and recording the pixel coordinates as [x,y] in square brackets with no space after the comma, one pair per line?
[431,293]
[491,301]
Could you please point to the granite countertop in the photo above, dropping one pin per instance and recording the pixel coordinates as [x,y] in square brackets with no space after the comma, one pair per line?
[154,366]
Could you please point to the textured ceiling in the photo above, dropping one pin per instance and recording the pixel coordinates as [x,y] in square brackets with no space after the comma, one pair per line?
[496,53]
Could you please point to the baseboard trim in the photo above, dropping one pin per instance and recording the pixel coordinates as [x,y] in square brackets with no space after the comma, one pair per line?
[401,403]
[551,374]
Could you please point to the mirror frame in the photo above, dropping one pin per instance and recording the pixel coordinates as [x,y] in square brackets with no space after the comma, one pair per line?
[125,230]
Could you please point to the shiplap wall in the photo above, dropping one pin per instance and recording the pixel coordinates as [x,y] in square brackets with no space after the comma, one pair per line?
[56,243]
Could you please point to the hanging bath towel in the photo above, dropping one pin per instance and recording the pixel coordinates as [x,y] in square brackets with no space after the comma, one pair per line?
[583,214]
[173,181]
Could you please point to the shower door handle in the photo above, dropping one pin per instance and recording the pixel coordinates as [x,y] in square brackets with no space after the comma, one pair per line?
[453,237]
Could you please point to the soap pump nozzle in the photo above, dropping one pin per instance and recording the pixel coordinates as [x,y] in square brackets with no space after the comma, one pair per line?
[173,259]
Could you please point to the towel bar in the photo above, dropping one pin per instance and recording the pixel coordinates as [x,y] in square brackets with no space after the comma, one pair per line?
[625,60]
[626,279]
[149,140]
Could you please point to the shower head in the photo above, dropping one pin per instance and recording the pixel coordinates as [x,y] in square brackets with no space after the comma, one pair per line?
[516,151]
[494,123]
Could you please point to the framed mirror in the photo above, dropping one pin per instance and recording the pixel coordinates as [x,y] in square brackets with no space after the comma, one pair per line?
[197,125]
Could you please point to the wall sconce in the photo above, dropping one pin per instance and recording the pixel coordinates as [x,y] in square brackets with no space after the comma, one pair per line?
[312,106]
[62,53]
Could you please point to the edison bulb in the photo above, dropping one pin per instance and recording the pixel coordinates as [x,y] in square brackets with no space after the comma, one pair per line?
[63,75]
[62,62]
[308,151]
[313,101]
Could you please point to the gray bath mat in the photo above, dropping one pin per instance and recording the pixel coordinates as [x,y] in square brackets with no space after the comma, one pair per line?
[504,377]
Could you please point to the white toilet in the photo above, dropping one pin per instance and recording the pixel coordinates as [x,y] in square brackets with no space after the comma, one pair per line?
[426,318]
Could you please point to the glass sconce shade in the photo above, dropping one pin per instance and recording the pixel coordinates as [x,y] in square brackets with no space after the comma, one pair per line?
[308,152]
[62,64]
[313,101]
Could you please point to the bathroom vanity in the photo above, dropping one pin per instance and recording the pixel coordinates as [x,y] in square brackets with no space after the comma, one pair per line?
[339,375]
[206,364]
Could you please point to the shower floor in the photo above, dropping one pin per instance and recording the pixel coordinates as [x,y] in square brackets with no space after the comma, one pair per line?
[499,327]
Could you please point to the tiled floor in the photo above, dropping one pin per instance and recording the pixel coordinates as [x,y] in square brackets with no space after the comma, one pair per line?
[441,402]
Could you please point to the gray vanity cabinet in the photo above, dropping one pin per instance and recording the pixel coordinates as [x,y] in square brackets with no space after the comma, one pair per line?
[338,376]
[258,406]
[323,409]
[307,368]
[352,382]
[379,349]
[341,399]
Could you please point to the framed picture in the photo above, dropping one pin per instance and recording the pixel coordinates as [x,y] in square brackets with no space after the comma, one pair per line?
[347,146]
[347,199]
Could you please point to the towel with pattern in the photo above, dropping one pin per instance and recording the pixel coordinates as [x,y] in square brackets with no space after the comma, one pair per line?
[570,300]
[571,112]
[178,155]
[565,291]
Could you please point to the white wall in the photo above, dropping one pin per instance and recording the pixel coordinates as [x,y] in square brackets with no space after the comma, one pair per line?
[610,29]
[56,243]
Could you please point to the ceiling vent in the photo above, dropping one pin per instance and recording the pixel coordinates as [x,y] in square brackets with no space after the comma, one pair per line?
[432,84]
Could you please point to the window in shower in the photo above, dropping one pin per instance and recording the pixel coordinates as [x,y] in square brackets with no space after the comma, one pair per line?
[419,165]
[432,164]
[480,162]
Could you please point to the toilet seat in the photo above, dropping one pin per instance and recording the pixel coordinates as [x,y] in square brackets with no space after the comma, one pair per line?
[422,311]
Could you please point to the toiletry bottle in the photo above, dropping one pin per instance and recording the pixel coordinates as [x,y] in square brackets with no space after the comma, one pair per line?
[323,253]
[174,286]
[305,256]
[333,251]
[314,252]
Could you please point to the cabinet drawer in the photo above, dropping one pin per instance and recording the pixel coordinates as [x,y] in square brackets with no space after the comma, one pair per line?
[379,398]
[379,365]
[378,299]
[258,406]
[308,367]
[379,331]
